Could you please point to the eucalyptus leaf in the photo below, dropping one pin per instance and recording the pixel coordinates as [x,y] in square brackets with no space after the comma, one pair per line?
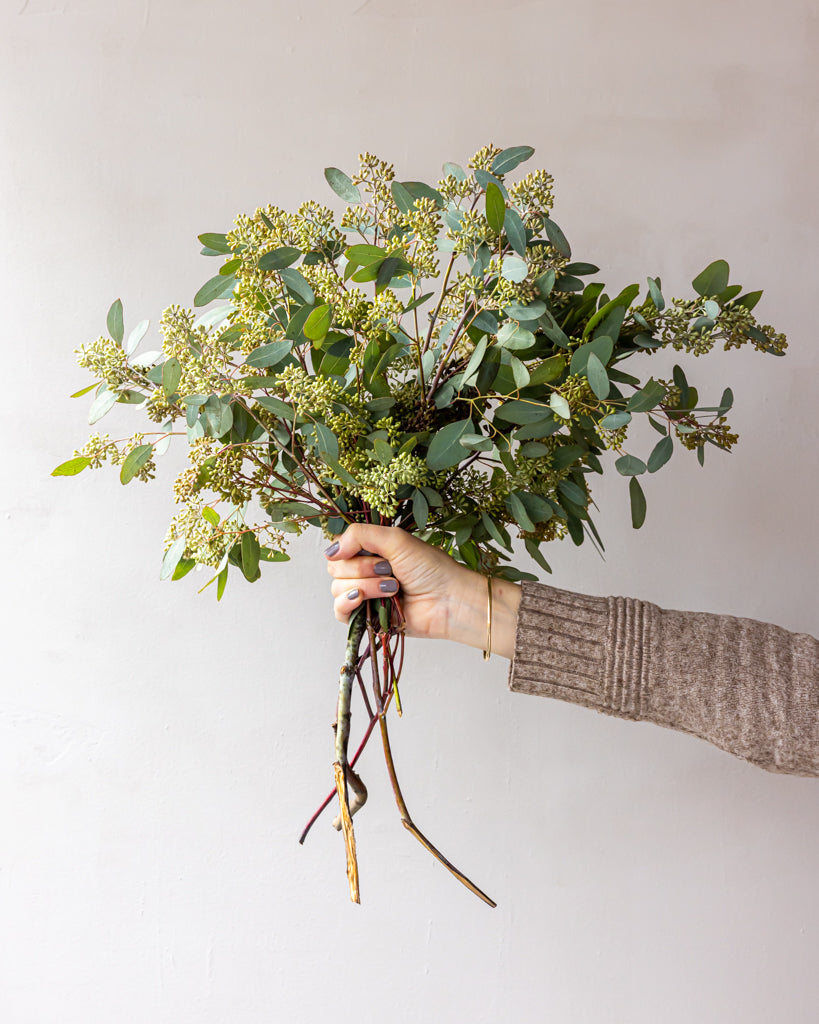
[172,558]
[508,159]
[342,185]
[560,406]
[513,268]
[134,461]
[278,259]
[215,242]
[638,503]
[495,208]
[712,280]
[630,465]
[216,288]
[136,336]
[114,321]
[557,238]
[661,453]
[72,466]
[597,377]
[515,231]
[102,404]
[445,449]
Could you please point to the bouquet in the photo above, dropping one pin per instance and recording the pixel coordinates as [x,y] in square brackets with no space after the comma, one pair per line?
[436,360]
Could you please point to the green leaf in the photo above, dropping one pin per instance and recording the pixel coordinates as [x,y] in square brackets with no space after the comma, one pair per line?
[215,241]
[624,299]
[660,455]
[343,475]
[513,268]
[318,323]
[630,465]
[277,406]
[216,288]
[528,311]
[134,461]
[515,231]
[420,190]
[508,159]
[647,398]
[403,200]
[84,391]
[560,406]
[445,449]
[614,420]
[712,280]
[391,267]
[534,551]
[726,402]
[601,346]
[656,294]
[455,170]
[514,337]
[573,492]
[221,583]
[533,449]
[269,355]
[278,259]
[597,376]
[101,405]
[749,300]
[474,363]
[136,336]
[519,412]
[638,503]
[384,452]
[250,556]
[183,567]
[518,512]
[418,302]
[420,510]
[557,238]
[342,185]
[537,508]
[520,374]
[711,309]
[171,376]
[72,466]
[296,283]
[211,515]
[172,558]
[114,320]
[495,207]
[547,370]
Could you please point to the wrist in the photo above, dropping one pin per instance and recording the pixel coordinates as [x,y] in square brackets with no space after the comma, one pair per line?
[467,621]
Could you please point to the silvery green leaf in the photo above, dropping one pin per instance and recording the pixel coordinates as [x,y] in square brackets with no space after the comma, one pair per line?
[514,337]
[445,449]
[712,280]
[145,358]
[172,558]
[296,283]
[455,170]
[615,420]
[342,185]
[660,455]
[213,316]
[216,241]
[191,414]
[216,288]
[134,461]
[402,198]
[508,159]
[171,376]
[711,309]
[638,503]
[655,293]
[477,442]
[630,465]
[557,238]
[196,430]
[164,444]
[513,268]
[114,321]
[485,179]
[474,363]
[597,377]
[520,374]
[225,420]
[136,336]
[515,231]
[101,405]
[428,362]
[518,512]
[602,347]
[420,509]
[525,311]
[560,406]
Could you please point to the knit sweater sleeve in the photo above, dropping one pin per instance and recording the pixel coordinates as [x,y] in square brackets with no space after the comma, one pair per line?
[748,687]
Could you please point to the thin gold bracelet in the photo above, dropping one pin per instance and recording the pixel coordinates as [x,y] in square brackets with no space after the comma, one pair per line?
[488,650]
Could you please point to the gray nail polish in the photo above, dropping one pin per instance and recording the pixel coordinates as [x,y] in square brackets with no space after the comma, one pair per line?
[382,568]
[332,550]
[388,586]
[352,595]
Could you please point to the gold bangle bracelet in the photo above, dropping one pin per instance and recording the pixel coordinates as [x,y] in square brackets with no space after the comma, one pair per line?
[488,649]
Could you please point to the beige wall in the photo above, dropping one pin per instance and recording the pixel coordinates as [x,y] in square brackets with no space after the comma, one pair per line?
[159,753]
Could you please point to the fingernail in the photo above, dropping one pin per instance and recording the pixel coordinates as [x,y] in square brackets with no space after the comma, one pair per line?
[382,568]
[388,586]
[332,550]
[363,553]
[352,595]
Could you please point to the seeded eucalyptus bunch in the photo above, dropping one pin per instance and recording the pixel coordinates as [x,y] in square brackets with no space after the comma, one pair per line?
[433,359]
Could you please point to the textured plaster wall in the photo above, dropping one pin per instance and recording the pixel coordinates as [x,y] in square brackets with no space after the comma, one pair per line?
[159,753]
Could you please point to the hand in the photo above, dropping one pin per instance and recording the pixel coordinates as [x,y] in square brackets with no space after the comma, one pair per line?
[440,599]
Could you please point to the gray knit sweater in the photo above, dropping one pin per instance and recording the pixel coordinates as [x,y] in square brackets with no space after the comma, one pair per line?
[749,687]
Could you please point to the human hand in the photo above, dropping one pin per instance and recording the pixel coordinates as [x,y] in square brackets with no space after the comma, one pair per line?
[440,599]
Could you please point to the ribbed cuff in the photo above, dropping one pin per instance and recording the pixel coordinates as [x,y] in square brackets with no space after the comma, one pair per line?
[587,650]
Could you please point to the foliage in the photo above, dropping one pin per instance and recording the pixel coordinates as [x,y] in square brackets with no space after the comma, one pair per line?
[436,359]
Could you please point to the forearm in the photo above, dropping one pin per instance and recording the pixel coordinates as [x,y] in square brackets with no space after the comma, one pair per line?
[749,687]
